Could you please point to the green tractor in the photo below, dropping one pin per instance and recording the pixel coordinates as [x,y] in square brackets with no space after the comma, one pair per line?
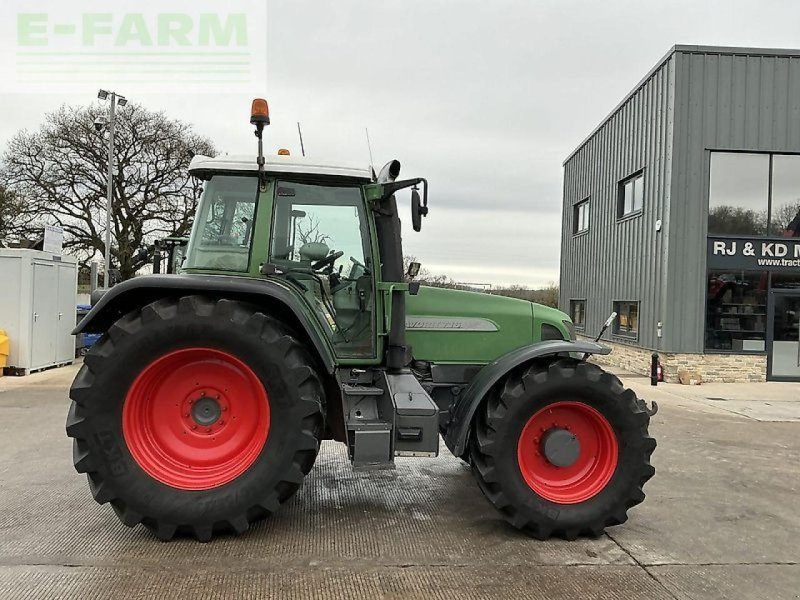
[202,407]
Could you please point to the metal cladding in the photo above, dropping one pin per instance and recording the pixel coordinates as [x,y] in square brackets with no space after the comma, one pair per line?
[695,100]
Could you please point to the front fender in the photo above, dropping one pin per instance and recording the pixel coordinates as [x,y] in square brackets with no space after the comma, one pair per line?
[467,404]
[139,291]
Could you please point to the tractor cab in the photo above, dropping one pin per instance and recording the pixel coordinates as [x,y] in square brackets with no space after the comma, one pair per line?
[300,222]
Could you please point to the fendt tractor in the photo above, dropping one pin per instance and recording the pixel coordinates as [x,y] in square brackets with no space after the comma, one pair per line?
[293,320]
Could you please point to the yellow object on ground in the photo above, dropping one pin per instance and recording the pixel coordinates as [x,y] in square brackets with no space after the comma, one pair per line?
[4,350]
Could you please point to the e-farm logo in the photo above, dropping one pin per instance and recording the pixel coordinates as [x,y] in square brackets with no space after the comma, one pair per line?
[162,49]
[169,30]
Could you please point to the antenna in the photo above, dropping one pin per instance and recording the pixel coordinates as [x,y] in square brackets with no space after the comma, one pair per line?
[369,147]
[300,133]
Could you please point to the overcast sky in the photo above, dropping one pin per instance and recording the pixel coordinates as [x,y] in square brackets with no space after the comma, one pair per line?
[484,98]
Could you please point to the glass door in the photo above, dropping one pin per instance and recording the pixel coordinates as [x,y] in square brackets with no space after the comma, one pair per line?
[320,241]
[784,357]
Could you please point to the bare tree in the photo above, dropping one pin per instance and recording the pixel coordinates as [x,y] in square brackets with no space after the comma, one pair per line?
[734,220]
[12,213]
[784,217]
[548,295]
[60,173]
[308,231]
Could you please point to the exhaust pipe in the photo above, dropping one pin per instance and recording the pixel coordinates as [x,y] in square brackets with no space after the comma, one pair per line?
[389,172]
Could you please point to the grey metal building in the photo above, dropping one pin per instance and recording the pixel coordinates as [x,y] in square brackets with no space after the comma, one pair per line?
[680,211]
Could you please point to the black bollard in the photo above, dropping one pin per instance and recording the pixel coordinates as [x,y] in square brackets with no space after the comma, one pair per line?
[654,369]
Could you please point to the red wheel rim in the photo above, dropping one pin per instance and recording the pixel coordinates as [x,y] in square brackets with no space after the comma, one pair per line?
[594,466]
[196,419]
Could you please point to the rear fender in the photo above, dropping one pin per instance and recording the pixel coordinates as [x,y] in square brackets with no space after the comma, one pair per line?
[467,405]
[269,295]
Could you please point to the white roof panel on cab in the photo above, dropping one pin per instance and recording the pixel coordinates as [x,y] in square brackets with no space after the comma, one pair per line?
[203,166]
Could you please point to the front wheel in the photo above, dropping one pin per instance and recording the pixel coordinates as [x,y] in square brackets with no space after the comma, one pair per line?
[562,449]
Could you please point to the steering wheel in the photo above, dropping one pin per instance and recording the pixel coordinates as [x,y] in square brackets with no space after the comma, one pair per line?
[327,261]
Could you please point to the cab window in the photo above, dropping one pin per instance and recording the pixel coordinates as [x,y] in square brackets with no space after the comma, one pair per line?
[319,242]
[224,224]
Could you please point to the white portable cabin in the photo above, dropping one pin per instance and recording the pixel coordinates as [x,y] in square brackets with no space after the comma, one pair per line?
[37,307]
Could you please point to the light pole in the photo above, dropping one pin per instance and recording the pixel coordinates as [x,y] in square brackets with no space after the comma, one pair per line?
[122,101]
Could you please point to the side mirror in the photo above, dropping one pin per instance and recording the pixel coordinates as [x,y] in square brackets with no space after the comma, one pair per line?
[416,216]
[384,191]
[418,210]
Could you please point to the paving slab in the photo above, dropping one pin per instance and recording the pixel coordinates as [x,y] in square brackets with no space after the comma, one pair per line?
[359,582]
[426,511]
[764,401]
[725,491]
[723,505]
[761,410]
[731,582]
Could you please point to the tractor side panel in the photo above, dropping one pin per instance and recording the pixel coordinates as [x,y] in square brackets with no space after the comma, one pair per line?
[456,326]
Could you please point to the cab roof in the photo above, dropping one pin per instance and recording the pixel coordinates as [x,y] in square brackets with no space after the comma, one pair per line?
[204,166]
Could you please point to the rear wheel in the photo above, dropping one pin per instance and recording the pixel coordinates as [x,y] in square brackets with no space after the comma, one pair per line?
[195,416]
[562,449]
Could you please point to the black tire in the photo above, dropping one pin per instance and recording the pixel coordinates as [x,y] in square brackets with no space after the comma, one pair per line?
[499,424]
[267,347]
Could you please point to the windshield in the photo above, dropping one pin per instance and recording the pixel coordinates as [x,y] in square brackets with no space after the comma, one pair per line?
[222,232]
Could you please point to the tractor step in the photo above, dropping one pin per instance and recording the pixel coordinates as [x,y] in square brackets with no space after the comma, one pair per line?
[371,443]
[361,390]
[388,415]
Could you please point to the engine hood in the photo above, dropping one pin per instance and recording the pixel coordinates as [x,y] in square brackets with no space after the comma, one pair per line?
[456,326]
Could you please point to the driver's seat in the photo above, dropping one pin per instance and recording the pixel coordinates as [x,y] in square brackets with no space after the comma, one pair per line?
[313,251]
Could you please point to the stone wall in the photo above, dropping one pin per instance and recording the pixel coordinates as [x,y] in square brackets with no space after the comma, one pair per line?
[728,368]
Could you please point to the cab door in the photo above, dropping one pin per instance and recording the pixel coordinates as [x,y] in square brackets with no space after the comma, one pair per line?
[320,242]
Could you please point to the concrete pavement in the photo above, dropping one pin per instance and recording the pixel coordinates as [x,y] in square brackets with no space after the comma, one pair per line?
[720,520]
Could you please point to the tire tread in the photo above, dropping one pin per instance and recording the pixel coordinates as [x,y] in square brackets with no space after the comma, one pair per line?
[263,327]
[484,442]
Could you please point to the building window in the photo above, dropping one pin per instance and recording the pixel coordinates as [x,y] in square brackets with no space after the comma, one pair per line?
[630,195]
[736,311]
[577,312]
[627,321]
[783,281]
[741,200]
[738,196]
[580,217]
[785,205]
